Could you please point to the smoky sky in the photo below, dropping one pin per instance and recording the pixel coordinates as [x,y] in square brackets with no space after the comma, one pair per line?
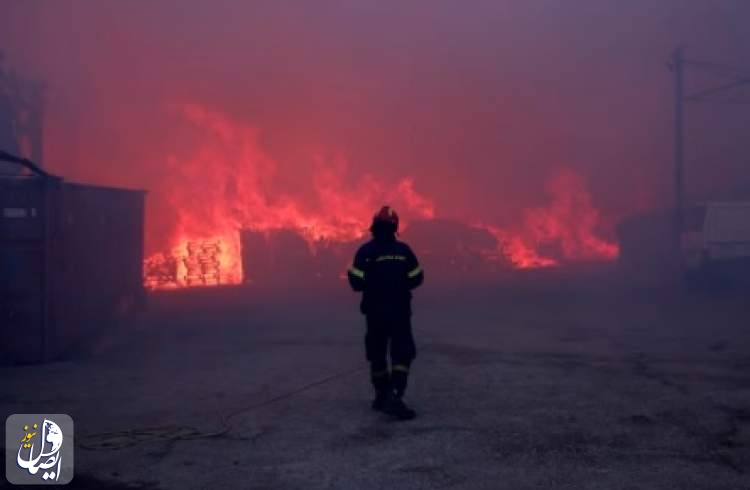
[480,101]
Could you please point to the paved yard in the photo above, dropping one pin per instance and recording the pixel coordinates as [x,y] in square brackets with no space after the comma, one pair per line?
[516,388]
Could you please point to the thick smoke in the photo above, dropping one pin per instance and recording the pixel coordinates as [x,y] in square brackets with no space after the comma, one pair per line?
[479,103]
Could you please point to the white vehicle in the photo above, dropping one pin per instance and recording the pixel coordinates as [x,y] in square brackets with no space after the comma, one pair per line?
[716,240]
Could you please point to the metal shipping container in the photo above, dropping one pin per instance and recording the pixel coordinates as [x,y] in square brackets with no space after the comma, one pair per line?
[71,260]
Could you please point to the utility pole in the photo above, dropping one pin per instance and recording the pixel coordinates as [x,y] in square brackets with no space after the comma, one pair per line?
[679,176]
[677,64]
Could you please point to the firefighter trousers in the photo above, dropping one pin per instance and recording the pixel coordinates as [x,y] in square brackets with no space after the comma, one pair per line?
[390,335]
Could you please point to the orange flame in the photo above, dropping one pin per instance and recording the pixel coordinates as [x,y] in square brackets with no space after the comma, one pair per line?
[569,222]
[229,184]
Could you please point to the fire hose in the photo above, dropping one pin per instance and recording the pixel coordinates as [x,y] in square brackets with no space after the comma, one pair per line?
[131,437]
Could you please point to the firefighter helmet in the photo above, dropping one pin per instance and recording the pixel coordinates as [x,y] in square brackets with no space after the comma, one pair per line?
[386,215]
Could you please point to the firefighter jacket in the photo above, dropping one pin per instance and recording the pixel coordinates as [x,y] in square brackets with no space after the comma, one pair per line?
[385,271]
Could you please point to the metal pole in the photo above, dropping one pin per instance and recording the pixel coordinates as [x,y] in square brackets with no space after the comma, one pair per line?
[679,175]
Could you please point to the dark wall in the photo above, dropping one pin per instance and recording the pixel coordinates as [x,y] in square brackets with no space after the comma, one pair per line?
[71,260]
[97,259]
[23,226]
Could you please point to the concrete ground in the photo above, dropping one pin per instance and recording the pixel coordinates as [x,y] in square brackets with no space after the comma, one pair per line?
[516,387]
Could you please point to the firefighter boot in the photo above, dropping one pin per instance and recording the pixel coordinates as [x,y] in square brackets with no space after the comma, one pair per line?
[395,405]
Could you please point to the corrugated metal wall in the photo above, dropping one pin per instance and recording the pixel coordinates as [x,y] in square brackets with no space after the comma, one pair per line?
[70,264]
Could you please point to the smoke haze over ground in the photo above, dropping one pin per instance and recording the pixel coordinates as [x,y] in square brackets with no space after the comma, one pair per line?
[478,105]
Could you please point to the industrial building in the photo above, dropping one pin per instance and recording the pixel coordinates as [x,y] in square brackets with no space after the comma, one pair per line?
[70,262]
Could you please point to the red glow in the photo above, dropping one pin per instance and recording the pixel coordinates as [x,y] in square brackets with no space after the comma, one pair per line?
[228,183]
[568,223]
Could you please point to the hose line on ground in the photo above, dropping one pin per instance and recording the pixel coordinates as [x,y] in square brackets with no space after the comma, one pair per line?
[130,437]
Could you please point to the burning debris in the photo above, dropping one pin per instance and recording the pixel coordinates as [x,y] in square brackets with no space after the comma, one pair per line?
[198,263]
[567,229]
[241,192]
[160,271]
[202,265]
[246,228]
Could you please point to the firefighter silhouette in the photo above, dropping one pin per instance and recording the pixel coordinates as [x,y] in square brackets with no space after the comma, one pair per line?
[386,270]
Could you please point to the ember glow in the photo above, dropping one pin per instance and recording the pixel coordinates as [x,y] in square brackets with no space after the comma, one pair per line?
[568,226]
[228,183]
